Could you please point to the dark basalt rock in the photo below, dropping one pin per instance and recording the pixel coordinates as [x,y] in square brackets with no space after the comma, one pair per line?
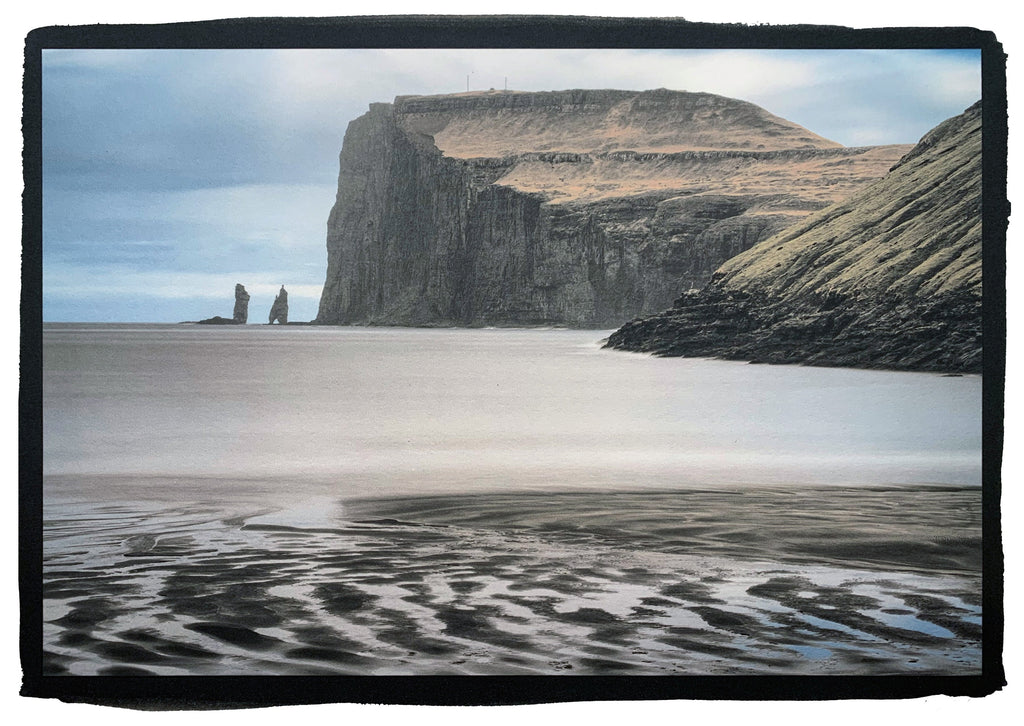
[241,314]
[218,320]
[942,334]
[279,310]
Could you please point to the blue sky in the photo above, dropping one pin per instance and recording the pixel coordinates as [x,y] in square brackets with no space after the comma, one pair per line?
[171,175]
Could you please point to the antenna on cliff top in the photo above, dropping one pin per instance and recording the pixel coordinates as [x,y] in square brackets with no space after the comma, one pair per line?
[506,83]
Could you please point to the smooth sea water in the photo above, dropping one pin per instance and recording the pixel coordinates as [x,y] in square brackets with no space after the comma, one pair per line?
[312,500]
[400,411]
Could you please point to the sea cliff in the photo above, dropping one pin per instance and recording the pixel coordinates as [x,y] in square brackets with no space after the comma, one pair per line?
[575,208]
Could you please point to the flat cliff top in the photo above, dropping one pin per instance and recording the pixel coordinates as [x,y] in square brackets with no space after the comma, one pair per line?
[917,231]
[504,123]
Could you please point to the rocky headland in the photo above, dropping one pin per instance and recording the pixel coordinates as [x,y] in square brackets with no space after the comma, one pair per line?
[890,278]
[580,208]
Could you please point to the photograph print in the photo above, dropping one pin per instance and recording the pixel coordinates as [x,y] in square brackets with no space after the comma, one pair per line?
[371,352]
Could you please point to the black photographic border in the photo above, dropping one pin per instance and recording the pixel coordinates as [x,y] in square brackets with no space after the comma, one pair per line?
[206,692]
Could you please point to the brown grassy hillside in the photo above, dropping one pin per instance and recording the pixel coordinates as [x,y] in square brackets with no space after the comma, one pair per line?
[889,278]
[915,232]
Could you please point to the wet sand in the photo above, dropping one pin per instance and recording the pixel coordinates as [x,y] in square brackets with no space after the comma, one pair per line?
[827,580]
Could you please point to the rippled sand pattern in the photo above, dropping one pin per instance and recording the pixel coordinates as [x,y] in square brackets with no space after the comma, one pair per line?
[473,585]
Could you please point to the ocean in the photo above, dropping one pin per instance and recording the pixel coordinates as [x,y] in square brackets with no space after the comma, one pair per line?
[387,501]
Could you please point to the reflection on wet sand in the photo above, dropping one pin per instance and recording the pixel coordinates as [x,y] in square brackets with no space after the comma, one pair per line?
[790,581]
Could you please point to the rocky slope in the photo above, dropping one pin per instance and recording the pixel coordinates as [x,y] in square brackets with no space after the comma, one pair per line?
[890,278]
[580,208]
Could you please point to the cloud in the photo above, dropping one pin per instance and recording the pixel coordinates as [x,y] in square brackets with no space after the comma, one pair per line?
[867,97]
[899,83]
[186,229]
[175,246]
[316,80]
[112,280]
[165,120]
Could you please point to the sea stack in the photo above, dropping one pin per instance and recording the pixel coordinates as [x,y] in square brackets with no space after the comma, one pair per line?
[279,310]
[241,314]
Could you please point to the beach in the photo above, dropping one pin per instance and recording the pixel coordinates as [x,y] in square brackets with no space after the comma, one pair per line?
[633,583]
[314,500]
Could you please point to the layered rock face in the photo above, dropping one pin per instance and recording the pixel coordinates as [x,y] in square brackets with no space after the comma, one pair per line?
[891,278]
[279,310]
[578,208]
[241,314]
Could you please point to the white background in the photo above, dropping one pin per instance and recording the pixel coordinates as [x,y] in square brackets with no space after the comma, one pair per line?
[21,17]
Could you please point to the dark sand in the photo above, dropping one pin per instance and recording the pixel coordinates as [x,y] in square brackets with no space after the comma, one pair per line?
[825,580]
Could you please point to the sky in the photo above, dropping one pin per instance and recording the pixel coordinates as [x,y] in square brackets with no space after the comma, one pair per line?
[169,175]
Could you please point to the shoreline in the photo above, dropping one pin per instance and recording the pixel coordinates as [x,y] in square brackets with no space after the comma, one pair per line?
[924,528]
[190,588]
